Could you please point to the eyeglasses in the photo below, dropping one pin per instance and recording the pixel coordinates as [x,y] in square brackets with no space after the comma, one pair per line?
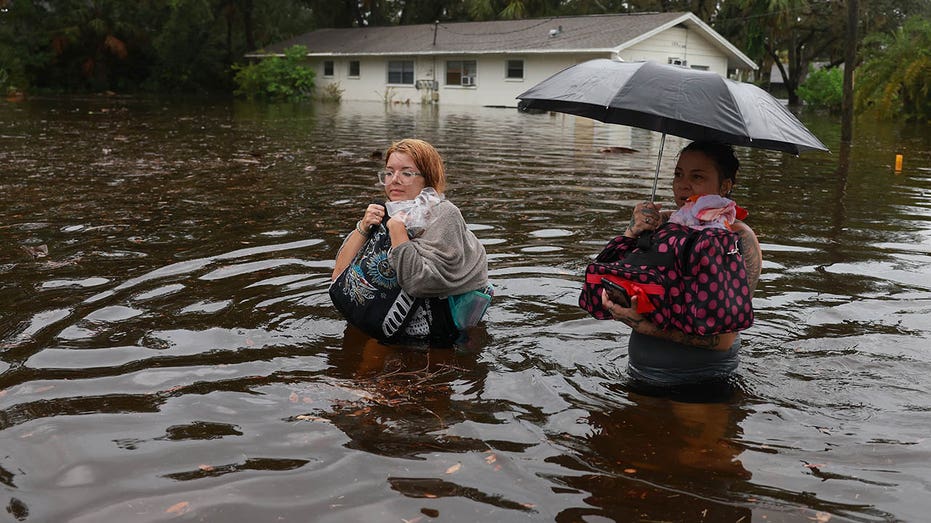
[404,177]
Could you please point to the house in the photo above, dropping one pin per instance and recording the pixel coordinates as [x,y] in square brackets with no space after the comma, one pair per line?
[490,63]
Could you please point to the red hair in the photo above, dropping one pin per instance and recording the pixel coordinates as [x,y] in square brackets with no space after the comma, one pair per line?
[426,158]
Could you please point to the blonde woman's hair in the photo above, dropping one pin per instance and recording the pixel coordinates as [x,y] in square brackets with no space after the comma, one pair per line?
[426,158]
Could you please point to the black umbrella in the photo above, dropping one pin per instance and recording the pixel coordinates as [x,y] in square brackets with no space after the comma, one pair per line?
[670,99]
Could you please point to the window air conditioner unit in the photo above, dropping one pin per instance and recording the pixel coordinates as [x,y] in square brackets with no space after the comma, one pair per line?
[468,80]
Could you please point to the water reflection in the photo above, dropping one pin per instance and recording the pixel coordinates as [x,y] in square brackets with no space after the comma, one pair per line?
[405,403]
[168,347]
[633,451]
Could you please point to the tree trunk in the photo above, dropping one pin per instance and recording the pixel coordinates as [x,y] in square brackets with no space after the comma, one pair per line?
[229,39]
[793,80]
[247,10]
[782,71]
[850,63]
[356,13]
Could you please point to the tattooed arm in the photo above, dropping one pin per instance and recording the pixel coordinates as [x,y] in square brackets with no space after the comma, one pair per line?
[752,253]
[630,317]
[753,258]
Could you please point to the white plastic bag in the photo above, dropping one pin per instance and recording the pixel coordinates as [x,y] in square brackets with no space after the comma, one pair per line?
[416,214]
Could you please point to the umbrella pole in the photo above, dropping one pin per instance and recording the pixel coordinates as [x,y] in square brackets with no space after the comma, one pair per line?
[659,159]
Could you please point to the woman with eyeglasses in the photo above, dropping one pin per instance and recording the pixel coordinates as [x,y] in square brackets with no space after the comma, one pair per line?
[439,264]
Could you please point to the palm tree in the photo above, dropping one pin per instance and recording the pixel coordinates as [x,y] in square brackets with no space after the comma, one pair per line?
[895,77]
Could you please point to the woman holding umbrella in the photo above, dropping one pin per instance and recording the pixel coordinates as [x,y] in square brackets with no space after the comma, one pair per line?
[692,104]
[669,356]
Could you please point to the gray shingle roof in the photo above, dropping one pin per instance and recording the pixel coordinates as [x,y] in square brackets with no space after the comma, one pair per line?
[599,32]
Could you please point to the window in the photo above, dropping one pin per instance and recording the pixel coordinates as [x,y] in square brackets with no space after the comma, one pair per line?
[675,60]
[699,67]
[328,68]
[515,70]
[354,68]
[401,72]
[460,72]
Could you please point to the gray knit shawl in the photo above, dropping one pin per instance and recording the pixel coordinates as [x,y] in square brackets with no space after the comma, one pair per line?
[447,259]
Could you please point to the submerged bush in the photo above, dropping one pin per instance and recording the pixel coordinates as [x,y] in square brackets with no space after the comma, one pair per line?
[331,93]
[276,78]
[823,88]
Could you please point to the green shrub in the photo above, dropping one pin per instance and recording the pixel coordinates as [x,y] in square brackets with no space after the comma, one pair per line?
[823,88]
[276,78]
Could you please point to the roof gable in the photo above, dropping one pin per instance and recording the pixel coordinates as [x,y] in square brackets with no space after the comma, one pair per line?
[605,33]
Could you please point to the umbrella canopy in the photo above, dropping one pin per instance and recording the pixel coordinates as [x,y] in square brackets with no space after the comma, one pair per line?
[692,104]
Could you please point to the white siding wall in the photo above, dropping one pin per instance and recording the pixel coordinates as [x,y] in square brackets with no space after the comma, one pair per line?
[371,84]
[491,86]
[678,42]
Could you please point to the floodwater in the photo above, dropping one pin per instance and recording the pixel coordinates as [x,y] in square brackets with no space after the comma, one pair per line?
[169,352]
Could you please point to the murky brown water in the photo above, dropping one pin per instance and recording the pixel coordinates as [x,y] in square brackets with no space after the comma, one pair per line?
[175,356]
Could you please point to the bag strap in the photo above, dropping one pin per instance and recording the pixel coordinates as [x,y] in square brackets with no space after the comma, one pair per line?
[647,253]
[620,245]
[730,241]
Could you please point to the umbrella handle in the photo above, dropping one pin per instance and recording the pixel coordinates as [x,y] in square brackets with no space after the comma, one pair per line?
[659,159]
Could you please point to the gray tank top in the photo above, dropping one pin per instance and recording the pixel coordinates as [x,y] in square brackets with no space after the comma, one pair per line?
[664,363]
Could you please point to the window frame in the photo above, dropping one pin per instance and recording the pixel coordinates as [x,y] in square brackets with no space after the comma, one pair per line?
[403,72]
[508,69]
[331,65]
[462,68]
[358,67]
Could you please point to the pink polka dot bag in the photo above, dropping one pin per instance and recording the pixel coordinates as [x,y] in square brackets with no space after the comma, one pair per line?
[688,279]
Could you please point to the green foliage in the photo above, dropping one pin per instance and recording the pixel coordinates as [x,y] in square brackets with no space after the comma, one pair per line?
[799,32]
[23,51]
[165,45]
[510,9]
[188,56]
[895,76]
[823,88]
[191,45]
[277,78]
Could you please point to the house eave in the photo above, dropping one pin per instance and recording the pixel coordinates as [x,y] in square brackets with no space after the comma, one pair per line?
[736,59]
[606,50]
